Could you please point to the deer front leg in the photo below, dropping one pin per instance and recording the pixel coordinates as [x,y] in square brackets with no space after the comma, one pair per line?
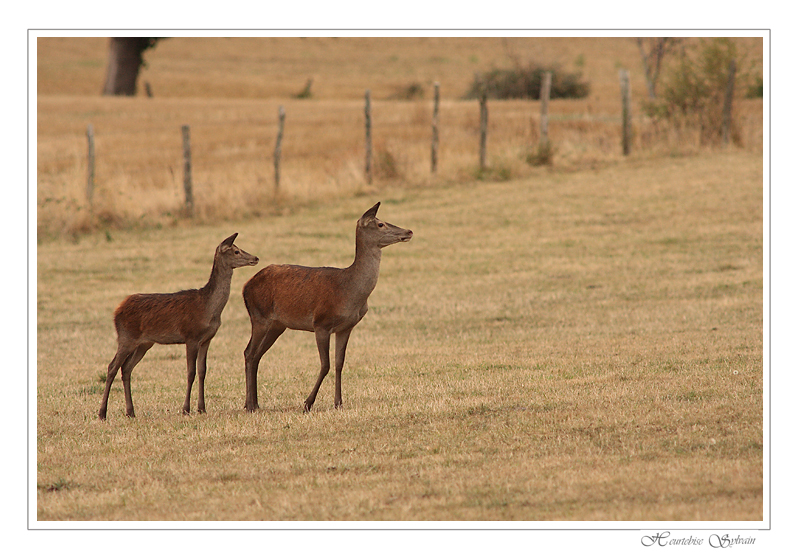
[201,376]
[341,347]
[191,370]
[324,346]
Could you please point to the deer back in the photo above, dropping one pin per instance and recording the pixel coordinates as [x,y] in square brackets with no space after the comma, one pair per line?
[162,318]
[302,297]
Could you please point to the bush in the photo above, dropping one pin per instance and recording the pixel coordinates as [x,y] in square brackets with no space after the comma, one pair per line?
[540,155]
[526,83]
[694,91]
[756,91]
[501,173]
[385,164]
[408,92]
[306,92]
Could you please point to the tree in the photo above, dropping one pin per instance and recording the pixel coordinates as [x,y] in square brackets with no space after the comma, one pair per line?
[124,62]
[699,88]
[653,53]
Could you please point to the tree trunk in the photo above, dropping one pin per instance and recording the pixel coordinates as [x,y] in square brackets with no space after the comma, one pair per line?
[651,86]
[124,61]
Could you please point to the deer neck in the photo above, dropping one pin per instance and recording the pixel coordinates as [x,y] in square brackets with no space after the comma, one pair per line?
[365,268]
[218,289]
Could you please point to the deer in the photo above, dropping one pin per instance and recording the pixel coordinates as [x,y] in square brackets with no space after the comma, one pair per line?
[191,317]
[322,300]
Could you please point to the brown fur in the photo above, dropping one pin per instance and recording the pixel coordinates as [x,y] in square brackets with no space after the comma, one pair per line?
[161,318]
[302,298]
[325,300]
[189,317]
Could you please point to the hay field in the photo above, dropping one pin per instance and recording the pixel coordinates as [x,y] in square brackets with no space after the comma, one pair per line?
[229,91]
[581,346]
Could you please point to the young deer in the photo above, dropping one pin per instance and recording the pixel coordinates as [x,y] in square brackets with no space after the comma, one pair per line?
[191,317]
[324,300]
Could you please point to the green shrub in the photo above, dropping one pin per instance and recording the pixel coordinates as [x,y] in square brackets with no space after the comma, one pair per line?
[694,90]
[386,164]
[306,92]
[540,155]
[500,173]
[408,92]
[756,91]
[526,83]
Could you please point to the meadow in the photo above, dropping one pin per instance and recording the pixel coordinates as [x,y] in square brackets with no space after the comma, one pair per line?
[580,342]
[585,347]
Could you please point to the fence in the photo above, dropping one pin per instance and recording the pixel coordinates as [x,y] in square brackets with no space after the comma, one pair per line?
[483,146]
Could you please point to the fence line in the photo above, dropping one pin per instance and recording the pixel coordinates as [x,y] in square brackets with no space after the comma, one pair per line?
[625,89]
[277,154]
[728,104]
[435,125]
[484,125]
[544,98]
[368,139]
[544,140]
[187,171]
[90,164]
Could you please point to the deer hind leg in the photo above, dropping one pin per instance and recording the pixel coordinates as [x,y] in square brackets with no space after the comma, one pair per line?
[201,376]
[127,368]
[341,347]
[324,347]
[123,352]
[263,337]
[251,365]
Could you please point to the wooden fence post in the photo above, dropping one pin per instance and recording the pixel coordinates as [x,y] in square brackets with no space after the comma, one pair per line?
[368,116]
[277,154]
[484,125]
[435,137]
[727,106]
[90,163]
[187,171]
[625,88]
[544,97]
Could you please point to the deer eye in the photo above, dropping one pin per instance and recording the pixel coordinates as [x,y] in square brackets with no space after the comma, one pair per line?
[236,252]
[380,225]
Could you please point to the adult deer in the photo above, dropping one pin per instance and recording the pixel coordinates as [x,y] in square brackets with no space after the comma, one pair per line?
[324,300]
[189,317]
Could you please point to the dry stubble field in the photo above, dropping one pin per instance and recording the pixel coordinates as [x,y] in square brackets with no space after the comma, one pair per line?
[572,346]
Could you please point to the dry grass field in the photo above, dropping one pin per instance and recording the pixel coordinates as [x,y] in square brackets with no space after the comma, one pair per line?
[579,347]
[576,342]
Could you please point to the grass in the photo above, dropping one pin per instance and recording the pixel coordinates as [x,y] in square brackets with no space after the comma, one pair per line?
[569,346]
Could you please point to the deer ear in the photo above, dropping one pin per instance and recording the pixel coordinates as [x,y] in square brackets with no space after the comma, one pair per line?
[229,241]
[370,213]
